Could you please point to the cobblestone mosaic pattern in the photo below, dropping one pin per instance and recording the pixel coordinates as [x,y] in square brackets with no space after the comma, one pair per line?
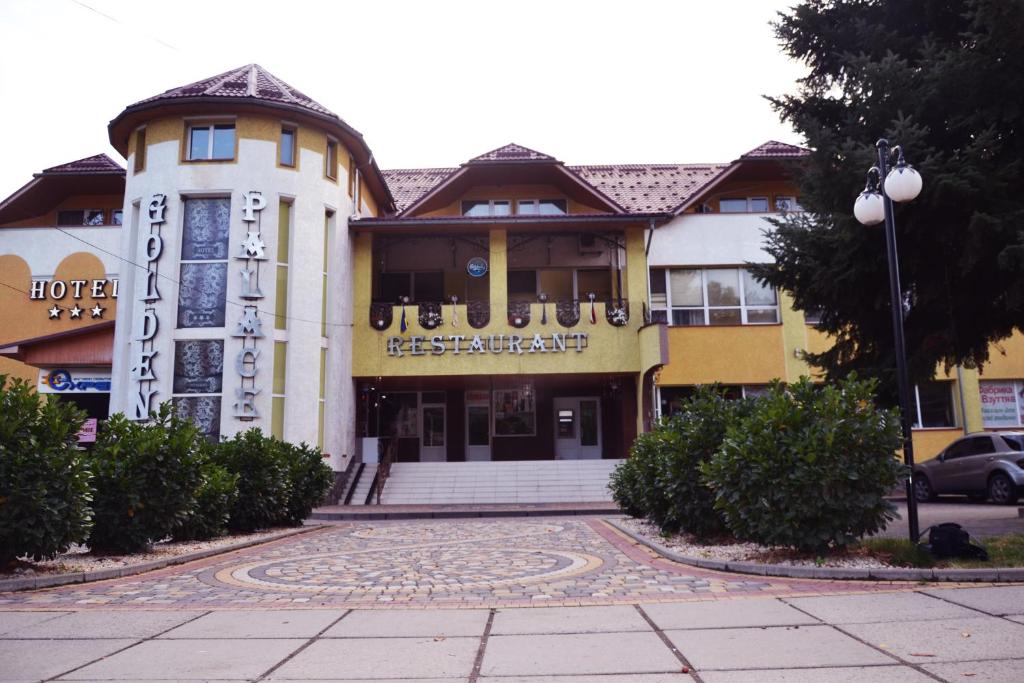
[442,563]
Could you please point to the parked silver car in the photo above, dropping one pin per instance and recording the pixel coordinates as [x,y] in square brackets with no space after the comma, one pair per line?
[980,465]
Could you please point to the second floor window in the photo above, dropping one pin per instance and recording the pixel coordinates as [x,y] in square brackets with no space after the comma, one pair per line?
[711,296]
[541,207]
[286,150]
[213,142]
[487,207]
[743,205]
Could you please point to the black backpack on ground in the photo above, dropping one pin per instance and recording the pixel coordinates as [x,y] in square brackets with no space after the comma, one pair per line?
[950,540]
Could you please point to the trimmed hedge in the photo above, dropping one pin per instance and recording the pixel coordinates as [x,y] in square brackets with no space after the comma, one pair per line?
[44,479]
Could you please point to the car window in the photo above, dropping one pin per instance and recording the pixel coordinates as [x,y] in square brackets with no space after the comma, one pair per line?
[1015,443]
[957,450]
[980,445]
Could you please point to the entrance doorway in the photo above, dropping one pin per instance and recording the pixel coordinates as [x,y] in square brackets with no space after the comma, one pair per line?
[577,428]
[478,425]
[432,427]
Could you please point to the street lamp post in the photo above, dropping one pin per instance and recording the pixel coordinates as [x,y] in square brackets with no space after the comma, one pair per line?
[874,206]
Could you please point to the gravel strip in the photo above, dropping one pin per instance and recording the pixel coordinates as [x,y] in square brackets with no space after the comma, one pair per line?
[687,545]
[78,559]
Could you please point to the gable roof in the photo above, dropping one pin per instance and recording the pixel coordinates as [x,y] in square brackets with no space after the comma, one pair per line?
[98,163]
[774,149]
[511,153]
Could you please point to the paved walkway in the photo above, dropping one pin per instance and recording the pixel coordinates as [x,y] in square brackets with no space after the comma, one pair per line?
[604,610]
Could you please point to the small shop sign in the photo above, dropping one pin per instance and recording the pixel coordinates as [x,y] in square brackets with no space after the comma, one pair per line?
[73,381]
[477,266]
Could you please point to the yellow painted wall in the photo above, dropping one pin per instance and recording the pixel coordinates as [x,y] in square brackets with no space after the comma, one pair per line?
[748,354]
[22,318]
[928,442]
[1006,359]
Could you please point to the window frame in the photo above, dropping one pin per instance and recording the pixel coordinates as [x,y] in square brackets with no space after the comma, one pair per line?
[105,216]
[292,129]
[705,307]
[788,197]
[331,159]
[490,207]
[537,202]
[749,202]
[918,423]
[139,162]
[211,126]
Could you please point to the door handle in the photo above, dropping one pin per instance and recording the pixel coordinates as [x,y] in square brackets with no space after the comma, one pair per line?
[990,458]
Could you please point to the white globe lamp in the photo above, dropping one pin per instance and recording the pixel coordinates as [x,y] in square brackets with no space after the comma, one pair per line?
[903,183]
[869,208]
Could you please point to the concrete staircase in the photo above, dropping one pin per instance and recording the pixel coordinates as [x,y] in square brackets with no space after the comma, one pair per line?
[535,481]
[363,484]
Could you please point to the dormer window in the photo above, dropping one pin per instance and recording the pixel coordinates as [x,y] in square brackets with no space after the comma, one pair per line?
[80,217]
[541,207]
[743,205]
[487,207]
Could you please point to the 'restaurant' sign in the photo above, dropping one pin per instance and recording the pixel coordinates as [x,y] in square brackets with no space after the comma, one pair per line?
[457,344]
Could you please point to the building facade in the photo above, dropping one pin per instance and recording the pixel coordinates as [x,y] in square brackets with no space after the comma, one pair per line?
[266,273]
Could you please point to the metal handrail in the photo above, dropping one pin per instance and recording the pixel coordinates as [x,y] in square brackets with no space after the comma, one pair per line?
[384,466]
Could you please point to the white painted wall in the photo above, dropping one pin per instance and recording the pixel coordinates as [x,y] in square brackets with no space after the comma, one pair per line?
[709,240]
[255,169]
[43,248]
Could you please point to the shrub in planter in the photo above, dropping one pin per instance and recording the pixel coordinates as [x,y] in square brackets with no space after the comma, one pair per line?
[808,467]
[309,479]
[635,483]
[214,499]
[626,485]
[145,480]
[44,478]
[263,483]
[697,433]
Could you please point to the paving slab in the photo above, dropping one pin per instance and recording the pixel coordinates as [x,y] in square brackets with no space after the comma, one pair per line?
[613,678]
[725,613]
[257,624]
[996,600]
[949,640]
[773,647]
[859,609]
[410,624]
[588,653]
[591,619]
[12,622]
[116,624]
[38,659]
[860,674]
[1019,618]
[1004,671]
[383,658]
[226,659]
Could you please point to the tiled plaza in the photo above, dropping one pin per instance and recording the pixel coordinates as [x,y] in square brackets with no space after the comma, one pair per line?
[439,563]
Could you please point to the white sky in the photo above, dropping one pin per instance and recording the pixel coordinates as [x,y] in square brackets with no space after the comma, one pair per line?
[428,83]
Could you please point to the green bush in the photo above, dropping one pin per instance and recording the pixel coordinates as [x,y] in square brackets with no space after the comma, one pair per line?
[44,479]
[627,481]
[697,434]
[145,480]
[309,480]
[262,469]
[808,467]
[214,498]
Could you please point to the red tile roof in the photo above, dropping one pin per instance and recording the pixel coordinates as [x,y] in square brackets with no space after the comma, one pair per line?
[99,163]
[649,188]
[776,150]
[251,80]
[512,152]
[409,184]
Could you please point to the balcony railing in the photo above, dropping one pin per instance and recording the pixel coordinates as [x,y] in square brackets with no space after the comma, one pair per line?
[519,314]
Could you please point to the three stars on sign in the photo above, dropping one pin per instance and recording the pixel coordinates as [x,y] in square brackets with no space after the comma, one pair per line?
[75,312]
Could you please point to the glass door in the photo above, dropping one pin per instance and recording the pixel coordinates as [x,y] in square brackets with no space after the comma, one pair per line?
[432,444]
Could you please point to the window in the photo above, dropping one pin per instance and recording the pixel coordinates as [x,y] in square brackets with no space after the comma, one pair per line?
[541,207]
[419,287]
[204,262]
[743,205]
[1002,403]
[522,283]
[788,204]
[1015,443]
[140,151]
[286,148]
[198,383]
[487,207]
[934,405]
[711,296]
[813,316]
[78,217]
[211,143]
[117,217]
[331,160]
[352,177]
[671,399]
[515,412]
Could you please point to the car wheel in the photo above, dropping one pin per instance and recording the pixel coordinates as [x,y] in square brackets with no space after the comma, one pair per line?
[923,491]
[1001,489]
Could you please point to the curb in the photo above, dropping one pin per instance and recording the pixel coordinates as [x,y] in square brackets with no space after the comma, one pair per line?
[1005,575]
[34,582]
[455,514]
